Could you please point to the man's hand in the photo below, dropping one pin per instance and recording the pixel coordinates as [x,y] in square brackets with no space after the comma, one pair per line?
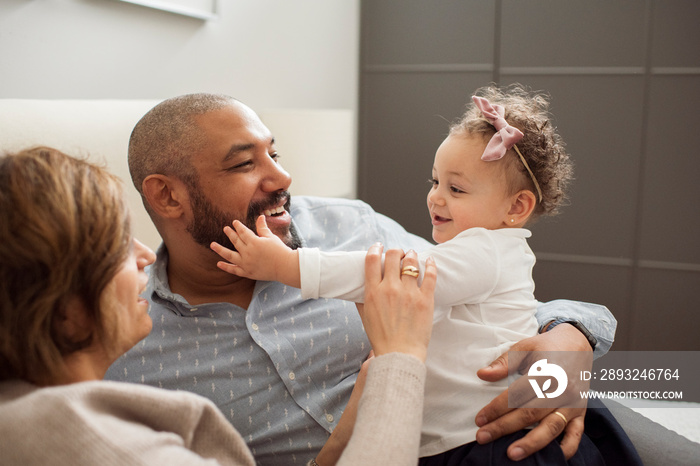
[263,257]
[497,419]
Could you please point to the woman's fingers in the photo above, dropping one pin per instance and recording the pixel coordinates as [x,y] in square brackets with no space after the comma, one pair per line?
[373,265]
[429,277]
[392,263]
[409,266]
[397,313]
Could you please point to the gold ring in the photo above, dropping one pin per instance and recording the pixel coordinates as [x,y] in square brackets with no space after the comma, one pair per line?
[561,416]
[410,270]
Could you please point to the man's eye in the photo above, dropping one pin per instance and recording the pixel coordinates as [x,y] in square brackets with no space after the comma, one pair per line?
[275,156]
[241,165]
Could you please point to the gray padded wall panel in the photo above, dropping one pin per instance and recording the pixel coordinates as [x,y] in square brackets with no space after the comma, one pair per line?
[624,77]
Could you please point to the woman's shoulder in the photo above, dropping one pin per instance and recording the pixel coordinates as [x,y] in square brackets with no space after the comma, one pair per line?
[98,398]
[115,418]
[20,392]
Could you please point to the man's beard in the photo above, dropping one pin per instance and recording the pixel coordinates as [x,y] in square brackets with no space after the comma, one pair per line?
[208,222]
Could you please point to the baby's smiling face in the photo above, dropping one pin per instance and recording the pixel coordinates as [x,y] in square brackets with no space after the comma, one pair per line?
[466,191]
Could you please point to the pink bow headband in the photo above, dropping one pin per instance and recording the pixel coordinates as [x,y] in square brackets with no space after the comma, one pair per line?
[505,138]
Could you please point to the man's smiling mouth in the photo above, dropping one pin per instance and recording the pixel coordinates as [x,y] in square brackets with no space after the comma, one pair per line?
[274,212]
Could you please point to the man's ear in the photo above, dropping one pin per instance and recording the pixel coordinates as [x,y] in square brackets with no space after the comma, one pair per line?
[522,205]
[164,195]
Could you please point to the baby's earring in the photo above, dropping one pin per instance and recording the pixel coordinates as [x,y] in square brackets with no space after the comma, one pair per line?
[512,220]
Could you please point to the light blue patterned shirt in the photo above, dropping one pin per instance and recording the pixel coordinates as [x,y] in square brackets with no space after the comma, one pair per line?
[282,370]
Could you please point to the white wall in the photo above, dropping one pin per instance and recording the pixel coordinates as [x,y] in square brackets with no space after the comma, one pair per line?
[267,53]
[274,55]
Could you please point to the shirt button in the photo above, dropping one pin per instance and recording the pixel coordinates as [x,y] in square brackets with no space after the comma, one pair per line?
[254,327]
[292,376]
[329,417]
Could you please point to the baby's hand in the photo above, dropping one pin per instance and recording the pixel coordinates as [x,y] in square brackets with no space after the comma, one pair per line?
[263,257]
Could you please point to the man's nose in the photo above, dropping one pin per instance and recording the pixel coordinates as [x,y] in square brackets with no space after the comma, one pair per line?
[276,178]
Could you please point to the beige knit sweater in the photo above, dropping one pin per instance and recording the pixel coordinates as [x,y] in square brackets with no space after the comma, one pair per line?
[110,423]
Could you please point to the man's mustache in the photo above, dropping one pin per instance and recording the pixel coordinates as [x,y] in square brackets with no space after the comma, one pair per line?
[256,208]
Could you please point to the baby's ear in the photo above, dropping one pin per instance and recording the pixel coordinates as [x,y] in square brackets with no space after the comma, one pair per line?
[522,205]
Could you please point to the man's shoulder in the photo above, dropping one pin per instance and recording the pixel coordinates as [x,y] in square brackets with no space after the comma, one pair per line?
[320,212]
[326,205]
[335,223]
[348,225]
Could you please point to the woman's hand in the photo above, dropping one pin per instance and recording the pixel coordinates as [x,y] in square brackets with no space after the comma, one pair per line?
[398,313]
[398,317]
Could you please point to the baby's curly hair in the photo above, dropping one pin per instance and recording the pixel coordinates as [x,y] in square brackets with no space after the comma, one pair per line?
[541,146]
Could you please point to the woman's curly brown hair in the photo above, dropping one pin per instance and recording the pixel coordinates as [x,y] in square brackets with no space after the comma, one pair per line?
[541,146]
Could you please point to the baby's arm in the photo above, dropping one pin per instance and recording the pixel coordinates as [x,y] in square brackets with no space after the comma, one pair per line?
[336,274]
[258,257]
[468,270]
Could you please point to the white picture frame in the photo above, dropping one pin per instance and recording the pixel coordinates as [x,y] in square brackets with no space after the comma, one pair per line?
[200,9]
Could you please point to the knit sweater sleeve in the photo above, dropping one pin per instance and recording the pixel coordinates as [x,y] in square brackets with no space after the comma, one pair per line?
[114,424]
[387,430]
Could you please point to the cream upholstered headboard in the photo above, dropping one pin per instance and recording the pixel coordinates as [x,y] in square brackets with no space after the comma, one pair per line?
[317,145]
[96,129]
